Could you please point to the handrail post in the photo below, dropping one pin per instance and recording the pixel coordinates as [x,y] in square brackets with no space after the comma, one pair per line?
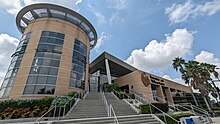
[150,108]
[164,118]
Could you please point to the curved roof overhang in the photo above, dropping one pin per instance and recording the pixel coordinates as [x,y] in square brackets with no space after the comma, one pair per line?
[35,11]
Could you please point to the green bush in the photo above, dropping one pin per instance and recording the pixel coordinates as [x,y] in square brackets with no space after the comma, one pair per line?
[17,108]
[145,109]
[73,93]
[113,87]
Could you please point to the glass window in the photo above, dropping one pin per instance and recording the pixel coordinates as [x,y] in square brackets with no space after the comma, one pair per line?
[37,62]
[39,54]
[45,33]
[53,71]
[51,80]
[42,80]
[55,63]
[10,82]
[61,36]
[52,34]
[43,40]
[32,80]
[35,70]
[49,90]
[58,48]
[41,46]
[44,70]
[7,92]
[56,56]
[46,62]
[48,55]
[51,40]
[59,42]
[39,89]
[5,83]
[29,89]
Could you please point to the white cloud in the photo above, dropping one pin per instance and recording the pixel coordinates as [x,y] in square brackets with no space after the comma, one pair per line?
[159,55]
[100,17]
[7,47]
[208,57]
[104,37]
[13,6]
[178,80]
[117,4]
[178,13]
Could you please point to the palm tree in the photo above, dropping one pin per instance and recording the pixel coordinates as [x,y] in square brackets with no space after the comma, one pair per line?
[197,75]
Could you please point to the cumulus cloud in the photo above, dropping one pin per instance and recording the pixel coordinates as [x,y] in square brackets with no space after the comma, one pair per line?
[159,55]
[104,37]
[178,13]
[13,6]
[7,47]
[100,17]
[178,80]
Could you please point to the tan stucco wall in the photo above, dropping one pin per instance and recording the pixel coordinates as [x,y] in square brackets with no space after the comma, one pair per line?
[71,32]
[134,79]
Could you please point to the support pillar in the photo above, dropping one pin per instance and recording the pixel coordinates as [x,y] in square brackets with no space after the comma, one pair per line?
[108,71]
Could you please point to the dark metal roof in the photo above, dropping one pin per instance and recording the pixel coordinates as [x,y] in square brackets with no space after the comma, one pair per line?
[117,67]
[35,11]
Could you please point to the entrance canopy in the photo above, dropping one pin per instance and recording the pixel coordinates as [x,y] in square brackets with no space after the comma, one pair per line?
[116,66]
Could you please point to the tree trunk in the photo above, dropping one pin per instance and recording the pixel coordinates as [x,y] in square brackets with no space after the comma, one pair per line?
[207,104]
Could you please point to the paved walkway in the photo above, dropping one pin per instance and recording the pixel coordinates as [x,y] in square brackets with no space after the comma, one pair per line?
[216,120]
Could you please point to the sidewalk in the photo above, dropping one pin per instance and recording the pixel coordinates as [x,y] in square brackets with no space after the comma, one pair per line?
[216,120]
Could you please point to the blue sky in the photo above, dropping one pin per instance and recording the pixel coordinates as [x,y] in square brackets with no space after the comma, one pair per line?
[147,34]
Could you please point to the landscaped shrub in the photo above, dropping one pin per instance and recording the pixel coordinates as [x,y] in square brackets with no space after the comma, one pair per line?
[113,87]
[24,107]
[73,93]
[145,109]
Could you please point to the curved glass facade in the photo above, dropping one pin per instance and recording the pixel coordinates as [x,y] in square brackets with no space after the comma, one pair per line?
[14,66]
[77,75]
[44,70]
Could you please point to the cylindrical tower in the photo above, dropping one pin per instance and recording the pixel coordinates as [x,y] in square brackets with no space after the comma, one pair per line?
[52,57]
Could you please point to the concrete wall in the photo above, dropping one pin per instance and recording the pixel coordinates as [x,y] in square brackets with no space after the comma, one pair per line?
[134,80]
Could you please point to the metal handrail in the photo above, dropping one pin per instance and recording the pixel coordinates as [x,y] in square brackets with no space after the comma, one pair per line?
[70,101]
[38,120]
[54,107]
[106,103]
[113,112]
[164,114]
[196,108]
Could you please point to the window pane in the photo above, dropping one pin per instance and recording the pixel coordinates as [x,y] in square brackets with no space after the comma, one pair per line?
[51,40]
[59,41]
[53,71]
[42,80]
[39,89]
[48,55]
[46,62]
[39,54]
[49,90]
[52,34]
[61,36]
[32,80]
[35,70]
[5,83]
[72,83]
[41,46]
[43,40]
[58,48]
[37,62]
[51,80]
[29,89]
[55,63]
[45,33]
[10,82]
[44,70]
[7,92]
[56,56]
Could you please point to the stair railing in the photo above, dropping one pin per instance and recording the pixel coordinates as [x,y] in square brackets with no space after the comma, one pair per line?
[106,103]
[59,108]
[151,105]
[112,113]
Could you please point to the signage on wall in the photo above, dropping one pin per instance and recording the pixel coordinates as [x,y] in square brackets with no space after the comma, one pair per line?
[145,79]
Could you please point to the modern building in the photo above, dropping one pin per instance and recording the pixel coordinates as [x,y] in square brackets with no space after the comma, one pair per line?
[52,57]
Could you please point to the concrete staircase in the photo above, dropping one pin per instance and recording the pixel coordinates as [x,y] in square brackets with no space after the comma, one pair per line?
[130,119]
[90,107]
[120,107]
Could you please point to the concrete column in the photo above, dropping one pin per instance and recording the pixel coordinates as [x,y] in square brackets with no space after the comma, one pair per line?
[108,71]
[169,95]
[160,93]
